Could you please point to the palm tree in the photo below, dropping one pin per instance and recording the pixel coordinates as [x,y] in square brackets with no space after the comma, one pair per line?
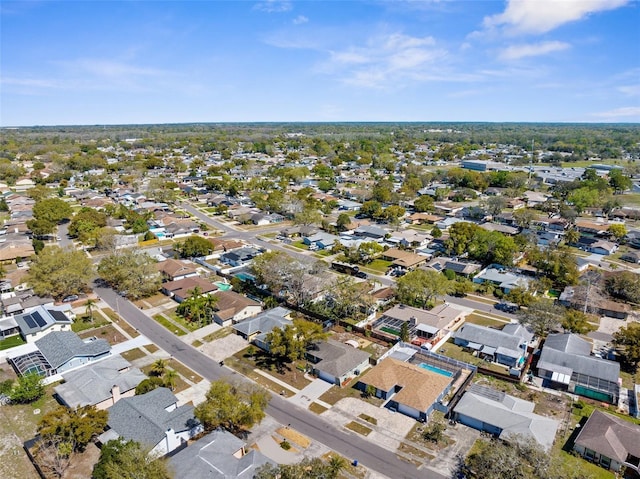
[89,306]
[170,376]
[336,464]
[159,367]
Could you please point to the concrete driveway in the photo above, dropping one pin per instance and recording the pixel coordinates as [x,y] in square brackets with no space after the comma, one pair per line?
[222,348]
[311,393]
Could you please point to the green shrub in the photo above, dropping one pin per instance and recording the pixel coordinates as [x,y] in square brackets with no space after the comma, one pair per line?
[285,445]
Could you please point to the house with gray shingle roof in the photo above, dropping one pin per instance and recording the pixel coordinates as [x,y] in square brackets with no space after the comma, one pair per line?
[499,346]
[218,455]
[153,419]
[41,321]
[256,329]
[609,441]
[506,416]
[101,385]
[566,363]
[336,362]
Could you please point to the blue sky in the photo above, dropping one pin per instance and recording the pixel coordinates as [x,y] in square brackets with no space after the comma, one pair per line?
[116,62]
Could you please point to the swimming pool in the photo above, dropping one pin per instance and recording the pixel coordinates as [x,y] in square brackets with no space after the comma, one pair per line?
[245,276]
[222,286]
[442,372]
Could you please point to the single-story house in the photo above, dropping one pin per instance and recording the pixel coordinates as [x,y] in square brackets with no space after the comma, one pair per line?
[60,351]
[461,269]
[101,385]
[404,259]
[424,326]
[566,363]
[610,442]
[631,257]
[498,346]
[371,232]
[181,289]
[321,240]
[218,455]
[603,247]
[42,321]
[502,278]
[604,307]
[504,229]
[173,270]
[240,256]
[255,329]
[497,413]
[231,307]
[408,388]
[336,362]
[153,419]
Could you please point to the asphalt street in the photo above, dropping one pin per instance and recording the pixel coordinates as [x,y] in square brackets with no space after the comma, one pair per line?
[348,444]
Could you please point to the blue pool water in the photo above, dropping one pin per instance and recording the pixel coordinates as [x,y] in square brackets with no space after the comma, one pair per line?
[245,277]
[222,286]
[434,369]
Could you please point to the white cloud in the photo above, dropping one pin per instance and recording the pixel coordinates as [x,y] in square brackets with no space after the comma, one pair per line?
[617,113]
[385,59]
[515,52]
[29,82]
[273,6]
[631,90]
[541,16]
[300,19]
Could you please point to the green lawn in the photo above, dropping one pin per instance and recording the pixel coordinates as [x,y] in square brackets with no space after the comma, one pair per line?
[169,325]
[83,323]
[11,342]
[379,266]
[483,321]
[182,321]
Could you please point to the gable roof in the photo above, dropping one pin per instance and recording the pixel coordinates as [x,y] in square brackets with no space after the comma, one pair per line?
[610,436]
[337,358]
[58,347]
[420,387]
[93,384]
[185,285]
[264,322]
[215,457]
[566,354]
[40,319]
[173,268]
[439,317]
[510,414]
[230,303]
[145,418]
[491,337]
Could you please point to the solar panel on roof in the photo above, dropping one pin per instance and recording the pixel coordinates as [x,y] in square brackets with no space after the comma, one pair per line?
[29,320]
[39,319]
[58,315]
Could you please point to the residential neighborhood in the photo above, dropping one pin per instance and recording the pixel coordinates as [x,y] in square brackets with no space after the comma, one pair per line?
[398,311]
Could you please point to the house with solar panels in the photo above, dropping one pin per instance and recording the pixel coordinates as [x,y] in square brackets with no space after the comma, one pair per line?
[40,322]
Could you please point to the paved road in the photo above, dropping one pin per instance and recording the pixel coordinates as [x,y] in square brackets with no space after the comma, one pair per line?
[308,423]
[63,233]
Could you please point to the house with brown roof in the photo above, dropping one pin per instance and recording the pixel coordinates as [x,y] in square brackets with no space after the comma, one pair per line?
[232,307]
[173,270]
[181,289]
[11,250]
[424,326]
[404,259]
[610,442]
[408,388]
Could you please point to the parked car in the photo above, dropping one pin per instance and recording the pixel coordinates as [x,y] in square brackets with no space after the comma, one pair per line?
[507,307]
[361,275]
[71,298]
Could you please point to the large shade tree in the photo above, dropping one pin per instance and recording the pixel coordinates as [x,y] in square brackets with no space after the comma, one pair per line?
[131,272]
[234,406]
[60,272]
[420,287]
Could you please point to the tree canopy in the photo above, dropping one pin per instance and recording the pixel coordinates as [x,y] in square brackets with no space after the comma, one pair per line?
[308,468]
[485,246]
[77,426]
[542,316]
[420,287]
[131,272]
[28,388]
[194,246]
[121,459]
[60,272]
[234,406]
[627,339]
